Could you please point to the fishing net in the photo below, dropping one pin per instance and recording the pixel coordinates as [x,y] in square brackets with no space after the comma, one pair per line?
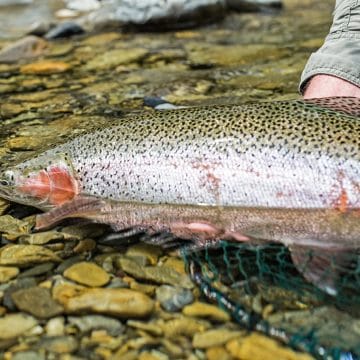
[263,291]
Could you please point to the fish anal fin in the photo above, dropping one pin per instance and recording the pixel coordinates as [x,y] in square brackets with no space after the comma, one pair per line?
[79,207]
[322,267]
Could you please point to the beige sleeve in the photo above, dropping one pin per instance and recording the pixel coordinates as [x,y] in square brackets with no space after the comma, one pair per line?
[340,53]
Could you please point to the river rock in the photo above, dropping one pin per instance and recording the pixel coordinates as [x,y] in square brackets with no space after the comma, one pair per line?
[37,270]
[7,273]
[11,225]
[25,48]
[259,347]
[94,322]
[26,255]
[45,67]
[87,273]
[37,301]
[28,355]
[183,326]
[59,344]
[14,325]
[214,337]
[55,326]
[217,353]
[151,252]
[200,309]
[173,298]
[117,302]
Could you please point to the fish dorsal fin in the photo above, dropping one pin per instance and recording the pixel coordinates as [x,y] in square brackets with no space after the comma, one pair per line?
[347,105]
[324,267]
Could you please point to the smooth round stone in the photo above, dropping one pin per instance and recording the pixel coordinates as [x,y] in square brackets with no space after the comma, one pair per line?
[55,326]
[8,273]
[37,301]
[215,337]
[117,302]
[199,309]
[14,325]
[28,355]
[59,344]
[173,298]
[94,322]
[87,273]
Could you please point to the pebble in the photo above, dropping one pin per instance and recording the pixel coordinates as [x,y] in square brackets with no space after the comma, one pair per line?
[28,355]
[37,301]
[55,326]
[59,344]
[14,325]
[215,337]
[151,252]
[259,347]
[45,67]
[94,322]
[7,273]
[117,302]
[173,298]
[11,225]
[26,255]
[37,270]
[25,48]
[212,312]
[112,58]
[217,353]
[183,326]
[87,273]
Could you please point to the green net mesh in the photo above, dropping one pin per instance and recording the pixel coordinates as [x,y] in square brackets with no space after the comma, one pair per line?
[264,291]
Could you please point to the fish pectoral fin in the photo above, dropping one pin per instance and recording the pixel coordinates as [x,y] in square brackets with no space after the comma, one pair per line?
[79,207]
[323,267]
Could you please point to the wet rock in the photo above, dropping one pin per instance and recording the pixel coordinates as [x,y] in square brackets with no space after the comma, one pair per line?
[151,328]
[4,205]
[95,322]
[151,252]
[59,345]
[67,263]
[55,326]
[37,270]
[112,58]
[217,353]
[259,347]
[183,326]
[199,309]
[215,337]
[14,227]
[64,30]
[26,48]
[158,274]
[254,5]
[18,284]
[37,301]
[14,325]
[26,255]
[173,298]
[7,273]
[153,355]
[42,238]
[86,273]
[117,302]
[45,67]
[28,355]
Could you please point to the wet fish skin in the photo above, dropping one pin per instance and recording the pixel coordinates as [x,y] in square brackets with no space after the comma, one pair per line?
[281,155]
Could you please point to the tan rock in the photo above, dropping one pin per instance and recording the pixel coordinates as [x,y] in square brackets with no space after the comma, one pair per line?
[87,273]
[259,347]
[14,325]
[118,302]
[183,326]
[200,309]
[7,273]
[9,224]
[151,252]
[217,353]
[214,337]
[45,67]
[23,255]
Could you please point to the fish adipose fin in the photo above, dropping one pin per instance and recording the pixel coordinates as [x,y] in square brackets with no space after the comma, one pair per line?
[79,207]
[324,268]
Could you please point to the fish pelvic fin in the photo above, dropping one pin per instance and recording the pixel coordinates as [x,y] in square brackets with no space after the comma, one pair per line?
[80,207]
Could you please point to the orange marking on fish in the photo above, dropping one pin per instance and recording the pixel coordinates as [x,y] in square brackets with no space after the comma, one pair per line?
[343,201]
[55,185]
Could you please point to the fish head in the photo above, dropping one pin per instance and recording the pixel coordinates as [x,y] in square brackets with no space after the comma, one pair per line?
[44,182]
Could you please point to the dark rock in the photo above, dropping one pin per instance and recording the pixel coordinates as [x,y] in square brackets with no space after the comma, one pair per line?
[37,301]
[64,30]
[37,270]
[20,284]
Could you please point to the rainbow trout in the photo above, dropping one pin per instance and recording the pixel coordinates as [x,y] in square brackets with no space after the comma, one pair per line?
[283,171]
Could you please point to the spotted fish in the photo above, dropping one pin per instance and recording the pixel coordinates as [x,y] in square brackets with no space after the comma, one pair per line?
[281,171]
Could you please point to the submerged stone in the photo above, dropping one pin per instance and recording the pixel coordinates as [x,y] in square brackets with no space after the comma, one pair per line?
[87,273]
[173,298]
[14,325]
[7,273]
